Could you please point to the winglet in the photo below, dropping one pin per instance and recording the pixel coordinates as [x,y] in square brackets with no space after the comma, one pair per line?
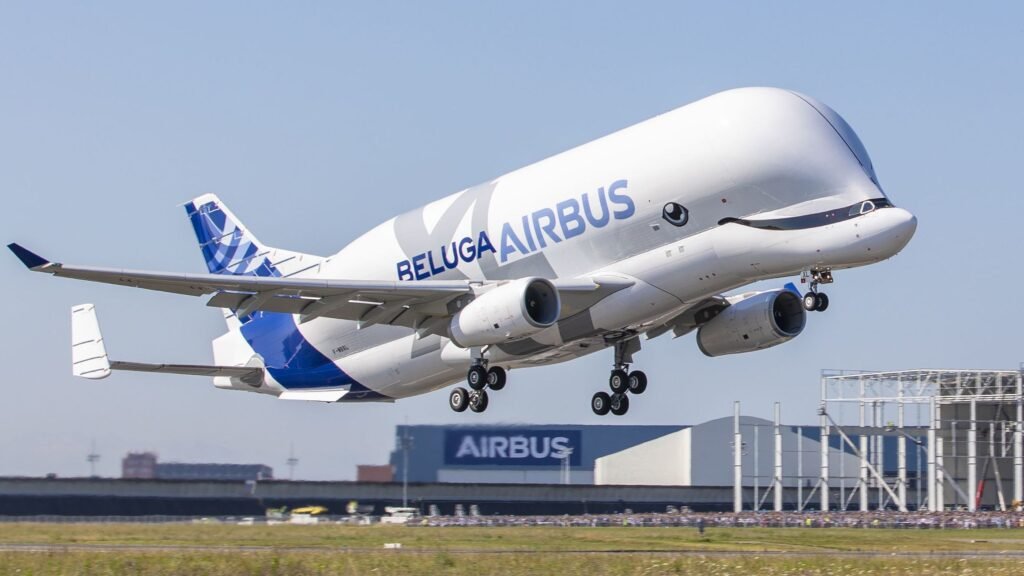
[29,258]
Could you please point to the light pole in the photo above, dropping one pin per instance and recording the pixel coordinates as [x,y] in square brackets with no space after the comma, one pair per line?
[92,458]
[405,442]
[566,464]
[292,462]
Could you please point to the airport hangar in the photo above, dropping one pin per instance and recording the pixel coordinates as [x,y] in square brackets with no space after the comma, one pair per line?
[510,469]
[688,456]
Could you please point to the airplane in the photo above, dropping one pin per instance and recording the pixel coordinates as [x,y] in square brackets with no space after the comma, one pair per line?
[636,234]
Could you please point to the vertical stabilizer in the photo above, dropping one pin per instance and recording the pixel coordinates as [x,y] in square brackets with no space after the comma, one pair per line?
[88,354]
[230,248]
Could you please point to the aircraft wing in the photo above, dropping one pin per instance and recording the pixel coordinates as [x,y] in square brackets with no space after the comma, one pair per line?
[689,319]
[414,304]
[700,313]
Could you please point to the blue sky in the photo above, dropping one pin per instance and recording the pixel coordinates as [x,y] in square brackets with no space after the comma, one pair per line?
[316,120]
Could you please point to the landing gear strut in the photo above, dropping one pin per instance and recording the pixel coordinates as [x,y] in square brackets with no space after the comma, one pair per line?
[478,378]
[621,380]
[815,301]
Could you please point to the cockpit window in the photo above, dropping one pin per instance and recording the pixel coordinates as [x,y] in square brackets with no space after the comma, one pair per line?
[863,208]
[814,220]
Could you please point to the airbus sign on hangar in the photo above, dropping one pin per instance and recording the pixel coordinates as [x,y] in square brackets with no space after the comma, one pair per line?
[513,453]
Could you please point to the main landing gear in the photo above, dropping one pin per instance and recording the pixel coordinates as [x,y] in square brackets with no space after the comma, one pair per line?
[815,301]
[621,381]
[479,378]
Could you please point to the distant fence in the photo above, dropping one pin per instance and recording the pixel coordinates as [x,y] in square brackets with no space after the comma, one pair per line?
[866,520]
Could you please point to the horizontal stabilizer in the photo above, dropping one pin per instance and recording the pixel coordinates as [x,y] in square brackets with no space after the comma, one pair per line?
[249,375]
[88,355]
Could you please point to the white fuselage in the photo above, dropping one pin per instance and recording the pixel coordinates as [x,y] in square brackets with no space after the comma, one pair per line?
[597,210]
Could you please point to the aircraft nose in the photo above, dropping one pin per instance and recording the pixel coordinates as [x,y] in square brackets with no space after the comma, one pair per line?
[899,229]
[906,223]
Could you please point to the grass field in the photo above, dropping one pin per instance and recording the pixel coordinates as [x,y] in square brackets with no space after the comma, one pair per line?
[331,549]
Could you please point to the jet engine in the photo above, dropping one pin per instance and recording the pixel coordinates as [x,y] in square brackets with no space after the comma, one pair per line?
[762,320]
[511,311]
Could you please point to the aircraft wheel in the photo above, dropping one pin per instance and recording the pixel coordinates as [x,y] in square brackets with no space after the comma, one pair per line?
[637,382]
[822,302]
[477,377]
[601,403]
[618,381]
[810,301]
[478,401]
[458,400]
[619,404]
[496,378]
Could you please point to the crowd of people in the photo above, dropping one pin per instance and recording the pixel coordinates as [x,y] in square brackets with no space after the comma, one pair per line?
[702,520]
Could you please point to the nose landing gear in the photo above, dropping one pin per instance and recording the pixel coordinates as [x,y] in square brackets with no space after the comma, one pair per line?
[815,301]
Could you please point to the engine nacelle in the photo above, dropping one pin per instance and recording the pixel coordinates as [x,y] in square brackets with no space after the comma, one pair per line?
[509,312]
[761,321]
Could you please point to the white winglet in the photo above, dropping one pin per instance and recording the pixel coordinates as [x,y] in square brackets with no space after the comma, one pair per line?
[88,355]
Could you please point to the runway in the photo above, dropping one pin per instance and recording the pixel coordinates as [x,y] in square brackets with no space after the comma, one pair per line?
[230,549]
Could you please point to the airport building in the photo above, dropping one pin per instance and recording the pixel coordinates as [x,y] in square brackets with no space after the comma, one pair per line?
[145,465]
[698,455]
[513,453]
[702,455]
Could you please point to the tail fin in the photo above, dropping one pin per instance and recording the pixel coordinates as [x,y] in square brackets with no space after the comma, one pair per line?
[229,247]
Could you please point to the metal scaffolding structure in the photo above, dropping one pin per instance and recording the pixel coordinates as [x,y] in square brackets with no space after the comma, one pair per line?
[769,462]
[966,424]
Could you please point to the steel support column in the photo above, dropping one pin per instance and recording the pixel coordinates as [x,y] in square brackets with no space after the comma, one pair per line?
[737,461]
[933,500]
[824,456]
[940,473]
[1018,442]
[972,458]
[800,468]
[901,456]
[778,458]
[862,482]
[877,415]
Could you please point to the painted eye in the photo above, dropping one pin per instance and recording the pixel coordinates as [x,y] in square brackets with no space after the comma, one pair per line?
[675,213]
